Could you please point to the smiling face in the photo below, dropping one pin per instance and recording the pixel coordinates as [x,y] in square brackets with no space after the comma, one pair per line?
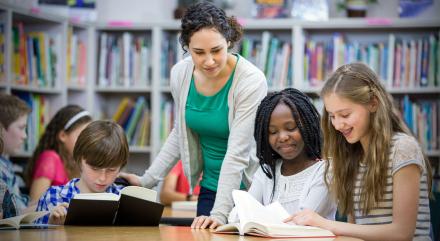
[351,119]
[209,52]
[284,135]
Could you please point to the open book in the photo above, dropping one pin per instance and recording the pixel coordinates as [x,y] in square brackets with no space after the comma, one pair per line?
[135,206]
[266,221]
[23,221]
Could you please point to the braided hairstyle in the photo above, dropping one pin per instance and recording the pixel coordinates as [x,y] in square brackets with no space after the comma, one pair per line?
[206,15]
[50,141]
[306,117]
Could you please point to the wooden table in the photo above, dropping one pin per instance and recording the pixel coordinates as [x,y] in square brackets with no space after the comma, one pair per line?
[161,233]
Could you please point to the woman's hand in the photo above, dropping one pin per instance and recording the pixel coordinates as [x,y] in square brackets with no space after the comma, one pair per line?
[202,222]
[58,214]
[133,179]
[307,217]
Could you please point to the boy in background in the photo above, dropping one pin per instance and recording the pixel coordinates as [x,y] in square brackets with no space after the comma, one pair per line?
[100,151]
[13,117]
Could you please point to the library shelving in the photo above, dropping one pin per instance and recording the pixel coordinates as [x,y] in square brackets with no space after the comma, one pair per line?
[101,66]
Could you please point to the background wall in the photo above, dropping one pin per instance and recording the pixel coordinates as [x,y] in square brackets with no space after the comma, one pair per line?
[159,10]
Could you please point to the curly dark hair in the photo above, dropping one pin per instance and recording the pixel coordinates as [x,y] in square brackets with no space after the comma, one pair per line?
[207,15]
[306,117]
[49,140]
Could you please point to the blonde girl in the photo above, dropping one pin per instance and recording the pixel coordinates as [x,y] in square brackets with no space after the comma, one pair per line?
[379,173]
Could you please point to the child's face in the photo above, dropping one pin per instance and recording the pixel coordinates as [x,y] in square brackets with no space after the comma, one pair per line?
[284,135]
[349,118]
[69,139]
[98,179]
[15,135]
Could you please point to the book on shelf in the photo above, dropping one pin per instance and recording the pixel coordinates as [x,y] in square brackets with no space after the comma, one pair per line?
[124,60]
[34,57]
[266,221]
[134,117]
[184,205]
[271,9]
[24,221]
[135,206]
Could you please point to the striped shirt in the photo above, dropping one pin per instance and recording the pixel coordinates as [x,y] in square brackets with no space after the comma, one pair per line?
[404,151]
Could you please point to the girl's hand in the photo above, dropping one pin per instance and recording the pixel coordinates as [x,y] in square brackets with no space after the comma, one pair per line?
[202,222]
[58,214]
[307,217]
[133,179]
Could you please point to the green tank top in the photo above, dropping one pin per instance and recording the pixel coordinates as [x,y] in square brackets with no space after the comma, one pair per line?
[208,117]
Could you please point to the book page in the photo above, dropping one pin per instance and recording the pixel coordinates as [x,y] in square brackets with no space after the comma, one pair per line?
[25,218]
[228,228]
[140,192]
[97,196]
[250,210]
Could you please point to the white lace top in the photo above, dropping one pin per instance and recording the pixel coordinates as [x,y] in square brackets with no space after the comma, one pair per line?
[305,189]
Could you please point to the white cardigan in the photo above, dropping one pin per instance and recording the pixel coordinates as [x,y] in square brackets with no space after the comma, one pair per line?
[248,88]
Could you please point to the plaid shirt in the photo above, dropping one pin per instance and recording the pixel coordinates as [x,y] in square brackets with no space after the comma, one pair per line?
[7,202]
[56,195]
[8,176]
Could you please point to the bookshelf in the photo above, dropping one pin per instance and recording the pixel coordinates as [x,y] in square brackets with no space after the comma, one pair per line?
[34,64]
[100,87]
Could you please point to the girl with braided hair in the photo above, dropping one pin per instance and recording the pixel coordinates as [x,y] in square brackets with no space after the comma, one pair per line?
[288,137]
[52,162]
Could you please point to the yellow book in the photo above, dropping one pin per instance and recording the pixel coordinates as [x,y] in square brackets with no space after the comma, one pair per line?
[122,106]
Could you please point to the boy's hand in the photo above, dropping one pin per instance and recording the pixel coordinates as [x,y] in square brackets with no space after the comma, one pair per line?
[58,214]
[133,179]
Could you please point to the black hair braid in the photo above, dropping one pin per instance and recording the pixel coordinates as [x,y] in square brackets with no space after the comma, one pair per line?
[305,115]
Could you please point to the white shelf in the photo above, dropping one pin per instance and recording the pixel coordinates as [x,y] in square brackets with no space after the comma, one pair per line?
[140,149]
[37,90]
[433,153]
[412,90]
[76,88]
[142,89]
[165,89]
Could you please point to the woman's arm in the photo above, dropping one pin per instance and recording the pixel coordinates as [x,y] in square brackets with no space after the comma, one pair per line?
[405,206]
[250,91]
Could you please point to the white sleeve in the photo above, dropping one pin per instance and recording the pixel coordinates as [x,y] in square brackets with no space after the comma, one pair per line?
[257,188]
[318,197]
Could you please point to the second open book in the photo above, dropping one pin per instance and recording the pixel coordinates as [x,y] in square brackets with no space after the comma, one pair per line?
[266,221]
[134,206]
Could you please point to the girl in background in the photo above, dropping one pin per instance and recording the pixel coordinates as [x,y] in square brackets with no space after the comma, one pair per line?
[52,163]
[381,177]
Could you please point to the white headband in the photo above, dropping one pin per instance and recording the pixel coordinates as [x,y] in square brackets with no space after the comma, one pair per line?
[75,118]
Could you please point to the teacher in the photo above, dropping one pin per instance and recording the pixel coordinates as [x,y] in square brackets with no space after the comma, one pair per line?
[216,93]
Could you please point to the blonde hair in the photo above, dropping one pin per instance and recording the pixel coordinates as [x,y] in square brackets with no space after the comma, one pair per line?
[359,84]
